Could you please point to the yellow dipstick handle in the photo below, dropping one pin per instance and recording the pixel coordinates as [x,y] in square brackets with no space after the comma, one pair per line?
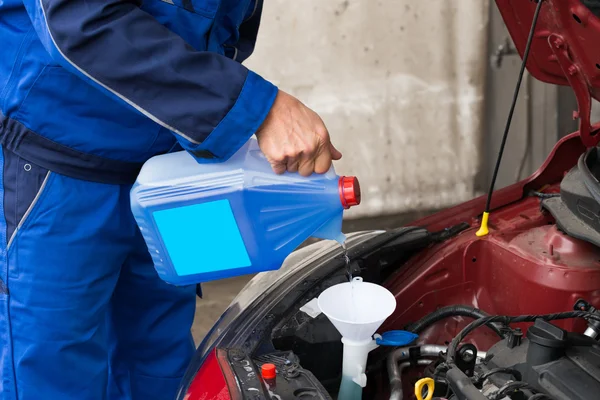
[430,383]
[483,229]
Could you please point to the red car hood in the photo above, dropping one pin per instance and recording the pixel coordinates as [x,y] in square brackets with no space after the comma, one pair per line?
[565,50]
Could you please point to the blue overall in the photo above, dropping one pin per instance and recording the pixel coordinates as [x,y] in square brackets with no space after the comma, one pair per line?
[89,90]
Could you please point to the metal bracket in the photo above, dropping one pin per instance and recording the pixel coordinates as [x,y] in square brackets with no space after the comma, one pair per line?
[560,48]
[505,49]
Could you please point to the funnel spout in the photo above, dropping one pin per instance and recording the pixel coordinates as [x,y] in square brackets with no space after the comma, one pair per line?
[354,365]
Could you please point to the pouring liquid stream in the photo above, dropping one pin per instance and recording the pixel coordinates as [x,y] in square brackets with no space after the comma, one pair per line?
[347,260]
[349,276]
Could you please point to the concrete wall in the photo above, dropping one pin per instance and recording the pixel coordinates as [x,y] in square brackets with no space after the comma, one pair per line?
[595,112]
[399,84]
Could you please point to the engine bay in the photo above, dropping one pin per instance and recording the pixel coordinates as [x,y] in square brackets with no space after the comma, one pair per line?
[551,353]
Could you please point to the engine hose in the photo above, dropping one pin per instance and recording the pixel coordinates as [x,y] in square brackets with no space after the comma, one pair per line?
[403,353]
[451,311]
[396,391]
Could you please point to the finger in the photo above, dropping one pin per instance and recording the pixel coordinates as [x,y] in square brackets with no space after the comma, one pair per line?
[292,165]
[323,161]
[279,167]
[307,167]
[335,153]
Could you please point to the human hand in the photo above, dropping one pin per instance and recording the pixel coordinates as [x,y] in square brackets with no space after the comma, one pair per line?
[294,138]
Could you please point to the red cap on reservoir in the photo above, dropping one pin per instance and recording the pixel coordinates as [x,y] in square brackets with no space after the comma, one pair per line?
[349,191]
[268,371]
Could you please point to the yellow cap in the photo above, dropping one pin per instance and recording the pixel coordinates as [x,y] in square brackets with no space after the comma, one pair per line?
[421,383]
[483,229]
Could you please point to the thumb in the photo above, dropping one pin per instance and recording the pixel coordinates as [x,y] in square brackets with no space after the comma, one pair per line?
[335,153]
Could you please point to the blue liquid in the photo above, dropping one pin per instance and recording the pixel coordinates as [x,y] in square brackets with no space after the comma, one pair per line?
[191,244]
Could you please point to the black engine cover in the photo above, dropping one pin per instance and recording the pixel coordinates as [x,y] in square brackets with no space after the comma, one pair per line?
[564,365]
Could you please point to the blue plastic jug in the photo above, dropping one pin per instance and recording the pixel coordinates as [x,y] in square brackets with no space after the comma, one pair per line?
[203,222]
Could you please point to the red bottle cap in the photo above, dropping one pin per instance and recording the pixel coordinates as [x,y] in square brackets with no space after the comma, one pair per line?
[268,371]
[349,191]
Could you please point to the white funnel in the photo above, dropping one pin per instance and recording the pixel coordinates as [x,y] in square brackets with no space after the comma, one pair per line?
[357,309]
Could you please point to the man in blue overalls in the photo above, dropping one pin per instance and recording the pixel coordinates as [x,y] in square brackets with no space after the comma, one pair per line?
[89,90]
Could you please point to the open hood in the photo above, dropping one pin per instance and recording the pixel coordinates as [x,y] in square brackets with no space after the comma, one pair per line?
[565,49]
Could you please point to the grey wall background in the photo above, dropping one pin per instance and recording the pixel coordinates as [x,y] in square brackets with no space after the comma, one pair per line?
[411,98]
[400,85]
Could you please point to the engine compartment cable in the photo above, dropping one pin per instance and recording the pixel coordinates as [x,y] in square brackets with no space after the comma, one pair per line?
[484,230]
[458,310]
[543,195]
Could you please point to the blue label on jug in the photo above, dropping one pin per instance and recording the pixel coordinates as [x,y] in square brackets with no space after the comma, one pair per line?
[202,238]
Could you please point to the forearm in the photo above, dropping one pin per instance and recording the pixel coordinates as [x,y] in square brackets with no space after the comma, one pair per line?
[211,102]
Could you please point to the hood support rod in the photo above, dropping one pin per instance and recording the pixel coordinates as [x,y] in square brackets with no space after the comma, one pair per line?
[483,230]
